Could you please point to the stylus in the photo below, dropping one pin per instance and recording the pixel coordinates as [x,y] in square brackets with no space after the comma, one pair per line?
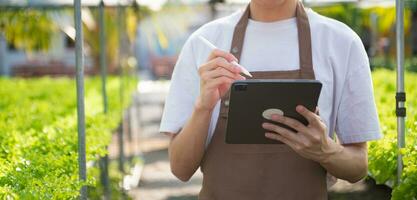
[211,46]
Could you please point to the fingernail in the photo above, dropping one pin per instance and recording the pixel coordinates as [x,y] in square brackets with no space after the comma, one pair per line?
[300,108]
[275,117]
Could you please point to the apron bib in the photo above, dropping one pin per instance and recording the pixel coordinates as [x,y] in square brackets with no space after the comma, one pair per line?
[267,171]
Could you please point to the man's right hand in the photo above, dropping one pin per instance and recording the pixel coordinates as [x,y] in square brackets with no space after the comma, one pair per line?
[216,77]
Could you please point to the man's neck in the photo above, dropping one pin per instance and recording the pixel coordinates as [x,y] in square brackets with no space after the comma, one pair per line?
[268,13]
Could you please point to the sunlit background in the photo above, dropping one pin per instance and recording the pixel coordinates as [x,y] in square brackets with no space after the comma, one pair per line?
[126,156]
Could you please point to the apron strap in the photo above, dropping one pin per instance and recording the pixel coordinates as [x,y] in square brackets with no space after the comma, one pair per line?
[304,39]
[239,34]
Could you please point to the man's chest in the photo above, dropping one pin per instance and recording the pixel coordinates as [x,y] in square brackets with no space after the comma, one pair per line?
[268,53]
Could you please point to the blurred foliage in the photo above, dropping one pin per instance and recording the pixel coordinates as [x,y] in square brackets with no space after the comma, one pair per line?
[38,140]
[410,64]
[33,29]
[359,18]
[20,24]
[383,153]
[27,29]
[130,18]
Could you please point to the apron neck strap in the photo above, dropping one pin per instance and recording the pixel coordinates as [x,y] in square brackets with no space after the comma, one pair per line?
[304,37]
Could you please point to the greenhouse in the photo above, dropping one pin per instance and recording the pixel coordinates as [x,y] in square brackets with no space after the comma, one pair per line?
[99,100]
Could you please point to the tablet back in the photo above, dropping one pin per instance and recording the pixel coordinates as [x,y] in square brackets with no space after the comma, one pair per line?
[250,99]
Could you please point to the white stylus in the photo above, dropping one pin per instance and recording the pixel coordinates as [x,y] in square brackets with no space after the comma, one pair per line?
[211,46]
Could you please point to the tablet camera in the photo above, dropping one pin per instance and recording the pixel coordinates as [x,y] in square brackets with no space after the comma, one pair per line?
[241,87]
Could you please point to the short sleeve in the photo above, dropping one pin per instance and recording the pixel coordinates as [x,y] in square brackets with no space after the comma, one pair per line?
[182,93]
[357,118]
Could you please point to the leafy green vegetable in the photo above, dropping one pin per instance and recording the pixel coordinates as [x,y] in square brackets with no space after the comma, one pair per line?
[383,153]
[38,140]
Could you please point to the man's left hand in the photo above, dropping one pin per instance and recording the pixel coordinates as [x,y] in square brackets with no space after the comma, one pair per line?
[311,141]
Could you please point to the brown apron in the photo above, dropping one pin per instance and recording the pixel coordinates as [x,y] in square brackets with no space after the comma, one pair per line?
[267,171]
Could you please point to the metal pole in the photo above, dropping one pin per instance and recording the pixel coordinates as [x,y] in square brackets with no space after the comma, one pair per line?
[103,64]
[79,60]
[129,134]
[121,47]
[374,34]
[400,96]
[104,161]
[3,50]
[104,176]
[121,131]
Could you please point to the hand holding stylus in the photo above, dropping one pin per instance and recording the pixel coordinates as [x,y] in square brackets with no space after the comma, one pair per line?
[216,77]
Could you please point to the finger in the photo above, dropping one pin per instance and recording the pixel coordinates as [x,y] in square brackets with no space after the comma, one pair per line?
[289,135]
[311,117]
[219,53]
[215,83]
[223,72]
[293,123]
[219,62]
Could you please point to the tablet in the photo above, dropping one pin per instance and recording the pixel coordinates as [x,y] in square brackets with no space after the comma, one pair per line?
[252,102]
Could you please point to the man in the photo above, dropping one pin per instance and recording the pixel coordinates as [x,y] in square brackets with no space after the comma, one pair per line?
[275,39]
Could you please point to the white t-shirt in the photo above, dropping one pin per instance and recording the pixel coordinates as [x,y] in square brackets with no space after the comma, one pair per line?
[340,62]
